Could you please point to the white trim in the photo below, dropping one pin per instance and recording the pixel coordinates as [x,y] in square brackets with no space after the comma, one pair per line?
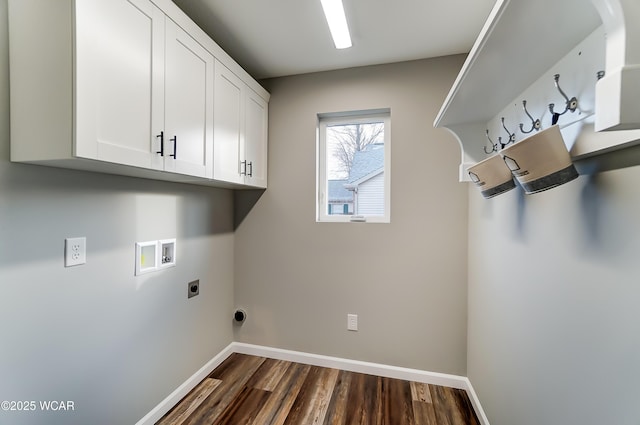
[172,399]
[387,371]
[475,402]
[356,113]
[435,378]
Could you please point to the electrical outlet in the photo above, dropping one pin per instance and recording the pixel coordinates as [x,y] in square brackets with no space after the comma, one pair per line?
[352,322]
[193,288]
[75,251]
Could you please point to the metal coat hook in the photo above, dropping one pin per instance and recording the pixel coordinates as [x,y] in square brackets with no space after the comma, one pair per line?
[512,136]
[494,146]
[535,123]
[570,104]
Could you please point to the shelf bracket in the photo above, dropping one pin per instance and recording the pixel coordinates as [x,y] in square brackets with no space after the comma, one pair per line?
[472,152]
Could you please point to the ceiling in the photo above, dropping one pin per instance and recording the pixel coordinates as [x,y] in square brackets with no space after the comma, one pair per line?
[273,38]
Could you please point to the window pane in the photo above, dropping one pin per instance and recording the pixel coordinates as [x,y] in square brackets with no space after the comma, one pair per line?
[355,166]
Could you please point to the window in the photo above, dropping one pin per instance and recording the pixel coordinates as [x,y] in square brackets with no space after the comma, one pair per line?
[353,164]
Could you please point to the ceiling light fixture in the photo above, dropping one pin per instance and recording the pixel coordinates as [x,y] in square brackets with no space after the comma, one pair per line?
[334,11]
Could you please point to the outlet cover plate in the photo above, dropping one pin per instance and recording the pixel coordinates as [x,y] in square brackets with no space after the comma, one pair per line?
[352,322]
[75,251]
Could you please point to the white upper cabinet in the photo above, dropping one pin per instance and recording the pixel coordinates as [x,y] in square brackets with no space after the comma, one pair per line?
[120,81]
[240,131]
[188,129]
[128,87]
[228,127]
[145,92]
[255,139]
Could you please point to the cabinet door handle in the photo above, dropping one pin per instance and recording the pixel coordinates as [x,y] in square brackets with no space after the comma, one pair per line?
[174,139]
[250,169]
[243,168]
[161,136]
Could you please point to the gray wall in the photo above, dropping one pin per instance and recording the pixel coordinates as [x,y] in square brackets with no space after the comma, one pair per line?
[406,280]
[113,343]
[553,301]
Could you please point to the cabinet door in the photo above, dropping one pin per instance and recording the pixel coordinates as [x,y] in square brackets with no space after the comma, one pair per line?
[188,104]
[119,81]
[228,136]
[255,139]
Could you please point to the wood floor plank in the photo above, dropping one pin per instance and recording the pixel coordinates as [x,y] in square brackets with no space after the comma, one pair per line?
[397,403]
[464,406]
[337,410]
[458,416]
[233,374]
[278,406]
[269,374]
[313,400]
[420,392]
[233,365]
[377,414]
[244,408]
[364,406]
[190,402]
[441,405]
[424,413]
[448,402]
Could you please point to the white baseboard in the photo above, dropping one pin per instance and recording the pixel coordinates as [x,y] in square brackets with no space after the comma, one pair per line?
[172,399]
[434,378]
[475,402]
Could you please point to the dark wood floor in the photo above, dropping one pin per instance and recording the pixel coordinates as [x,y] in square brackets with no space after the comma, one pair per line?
[255,390]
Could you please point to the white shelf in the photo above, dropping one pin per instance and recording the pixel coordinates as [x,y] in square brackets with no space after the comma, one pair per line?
[522,45]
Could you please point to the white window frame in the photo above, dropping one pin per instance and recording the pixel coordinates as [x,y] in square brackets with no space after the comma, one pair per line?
[354,117]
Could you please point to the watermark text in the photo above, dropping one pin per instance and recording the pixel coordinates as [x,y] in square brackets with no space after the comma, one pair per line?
[37,406]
